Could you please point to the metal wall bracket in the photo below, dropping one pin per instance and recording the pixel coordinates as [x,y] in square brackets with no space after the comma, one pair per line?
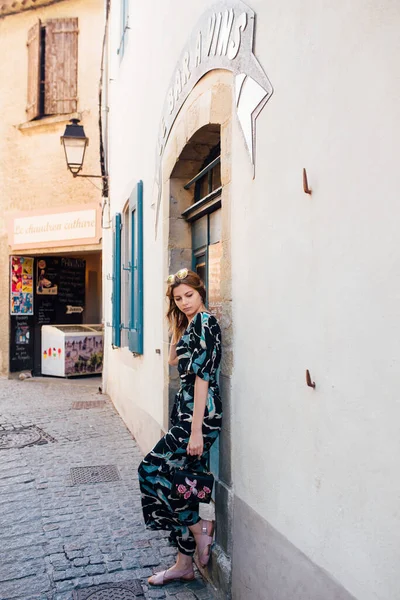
[309,382]
[306,189]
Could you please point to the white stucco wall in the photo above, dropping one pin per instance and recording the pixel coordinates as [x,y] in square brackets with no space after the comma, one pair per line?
[137,93]
[315,279]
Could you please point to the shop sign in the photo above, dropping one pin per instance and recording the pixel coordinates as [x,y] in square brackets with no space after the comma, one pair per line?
[223,39]
[41,229]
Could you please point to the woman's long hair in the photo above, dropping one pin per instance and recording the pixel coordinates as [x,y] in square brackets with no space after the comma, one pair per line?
[178,321]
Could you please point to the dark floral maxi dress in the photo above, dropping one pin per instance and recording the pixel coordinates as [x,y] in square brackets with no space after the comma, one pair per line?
[199,354]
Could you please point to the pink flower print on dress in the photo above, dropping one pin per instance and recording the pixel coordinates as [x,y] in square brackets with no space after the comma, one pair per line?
[206,490]
[201,494]
[182,488]
[187,495]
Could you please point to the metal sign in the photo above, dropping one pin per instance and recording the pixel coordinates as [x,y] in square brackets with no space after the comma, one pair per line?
[223,39]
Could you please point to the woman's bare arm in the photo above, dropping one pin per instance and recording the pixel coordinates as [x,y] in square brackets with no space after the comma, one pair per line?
[196,443]
[173,357]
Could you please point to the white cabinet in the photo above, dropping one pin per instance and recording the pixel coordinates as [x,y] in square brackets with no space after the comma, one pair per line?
[72,350]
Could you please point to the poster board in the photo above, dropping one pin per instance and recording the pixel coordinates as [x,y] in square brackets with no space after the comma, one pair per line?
[21,343]
[21,285]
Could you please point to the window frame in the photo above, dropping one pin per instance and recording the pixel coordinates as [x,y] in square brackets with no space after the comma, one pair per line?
[212,200]
[135,333]
[116,279]
[126,274]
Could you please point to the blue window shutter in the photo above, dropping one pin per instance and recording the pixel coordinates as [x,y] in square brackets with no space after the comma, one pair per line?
[116,297]
[135,336]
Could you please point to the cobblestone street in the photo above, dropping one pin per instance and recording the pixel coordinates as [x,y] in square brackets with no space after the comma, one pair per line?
[60,535]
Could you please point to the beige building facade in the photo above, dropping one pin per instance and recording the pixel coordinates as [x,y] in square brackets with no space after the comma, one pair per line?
[258,144]
[50,222]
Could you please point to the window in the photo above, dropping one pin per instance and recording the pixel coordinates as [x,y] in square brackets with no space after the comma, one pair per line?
[116,278]
[135,334]
[207,187]
[205,216]
[52,68]
[128,276]
[208,180]
[124,26]
[125,274]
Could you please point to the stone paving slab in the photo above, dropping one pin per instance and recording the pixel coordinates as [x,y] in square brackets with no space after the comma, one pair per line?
[57,537]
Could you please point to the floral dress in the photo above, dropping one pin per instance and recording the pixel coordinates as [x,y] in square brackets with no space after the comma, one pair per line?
[199,354]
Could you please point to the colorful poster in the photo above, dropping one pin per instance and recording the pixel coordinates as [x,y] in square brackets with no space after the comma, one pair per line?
[47,276]
[21,285]
[22,334]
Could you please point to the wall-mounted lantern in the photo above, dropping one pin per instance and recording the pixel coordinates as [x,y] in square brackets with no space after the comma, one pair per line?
[75,143]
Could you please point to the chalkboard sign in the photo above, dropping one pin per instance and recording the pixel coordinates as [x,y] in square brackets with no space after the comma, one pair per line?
[71,291]
[21,343]
[45,310]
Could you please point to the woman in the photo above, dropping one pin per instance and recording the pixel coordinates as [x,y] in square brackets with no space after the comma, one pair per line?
[196,423]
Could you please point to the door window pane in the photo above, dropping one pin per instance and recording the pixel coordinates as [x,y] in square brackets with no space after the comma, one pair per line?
[200,233]
[201,267]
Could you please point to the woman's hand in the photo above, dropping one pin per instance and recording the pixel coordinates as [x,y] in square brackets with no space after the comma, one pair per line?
[196,444]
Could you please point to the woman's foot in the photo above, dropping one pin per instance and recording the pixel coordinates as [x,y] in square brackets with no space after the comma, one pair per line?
[204,535]
[182,569]
[172,574]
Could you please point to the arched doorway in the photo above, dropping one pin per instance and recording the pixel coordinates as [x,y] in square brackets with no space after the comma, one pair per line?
[196,229]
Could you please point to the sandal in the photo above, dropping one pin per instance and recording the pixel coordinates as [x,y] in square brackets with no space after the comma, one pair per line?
[204,542]
[162,578]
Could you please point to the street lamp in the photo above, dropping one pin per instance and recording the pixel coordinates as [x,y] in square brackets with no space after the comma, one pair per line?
[75,143]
